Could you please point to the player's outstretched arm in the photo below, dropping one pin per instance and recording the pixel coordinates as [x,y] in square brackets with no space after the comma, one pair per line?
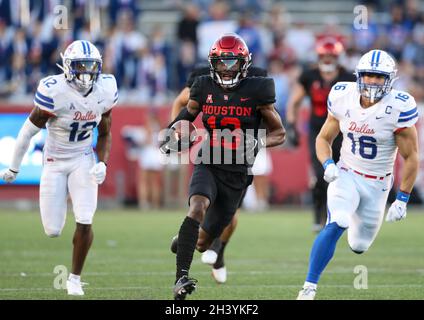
[180,102]
[293,105]
[276,133]
[104,143]
[190,113]
[104,139]
[407,142]
[324,140]
[292,113]
[31,127]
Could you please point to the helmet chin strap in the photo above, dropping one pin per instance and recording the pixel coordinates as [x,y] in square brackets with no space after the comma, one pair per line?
[371,95]
[231,83]
[85,80]
[80,89]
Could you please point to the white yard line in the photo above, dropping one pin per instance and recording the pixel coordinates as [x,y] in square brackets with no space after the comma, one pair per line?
[253,272]
[209,287]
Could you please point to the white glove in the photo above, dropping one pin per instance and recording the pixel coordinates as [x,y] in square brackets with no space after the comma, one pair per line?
[8,175]
[98,172]
[331,172]
[397,211]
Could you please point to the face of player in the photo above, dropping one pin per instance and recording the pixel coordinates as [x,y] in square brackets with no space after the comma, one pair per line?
[372,88]
[327,63]
[86,72]
[227,68]
[373,79]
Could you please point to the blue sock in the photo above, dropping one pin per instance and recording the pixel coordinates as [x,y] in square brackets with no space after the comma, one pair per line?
[323,250]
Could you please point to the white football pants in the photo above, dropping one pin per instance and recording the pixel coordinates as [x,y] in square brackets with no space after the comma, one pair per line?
[60,177]
[358,203]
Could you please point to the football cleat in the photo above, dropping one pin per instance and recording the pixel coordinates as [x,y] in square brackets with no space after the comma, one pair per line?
[307,293]
[184,286]
[220,275]
[174,244]
[209,257]
[74,287]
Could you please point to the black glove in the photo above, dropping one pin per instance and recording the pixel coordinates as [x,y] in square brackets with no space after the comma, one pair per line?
[164,143]
[171,143]
[252,147]
[292,134]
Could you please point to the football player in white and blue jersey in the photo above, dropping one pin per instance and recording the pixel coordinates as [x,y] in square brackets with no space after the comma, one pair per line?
[376,122]
[71,105]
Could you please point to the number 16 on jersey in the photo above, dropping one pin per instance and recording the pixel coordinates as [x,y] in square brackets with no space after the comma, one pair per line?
[367,146]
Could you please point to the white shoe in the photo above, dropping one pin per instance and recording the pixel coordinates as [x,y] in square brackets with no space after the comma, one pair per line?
[307,293]
[74,287]
[209,257]
[220,275]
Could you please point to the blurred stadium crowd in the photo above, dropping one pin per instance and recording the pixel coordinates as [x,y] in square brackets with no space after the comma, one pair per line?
[151,61]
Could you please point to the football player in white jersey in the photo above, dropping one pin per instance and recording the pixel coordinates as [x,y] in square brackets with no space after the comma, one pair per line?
[376,121]
[71,105]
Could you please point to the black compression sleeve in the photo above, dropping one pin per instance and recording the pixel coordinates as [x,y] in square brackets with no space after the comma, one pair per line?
[183,115]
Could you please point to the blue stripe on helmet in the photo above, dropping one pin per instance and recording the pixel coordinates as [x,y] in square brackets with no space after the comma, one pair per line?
[88,47]
[83,46]
[378,58]
[373,57]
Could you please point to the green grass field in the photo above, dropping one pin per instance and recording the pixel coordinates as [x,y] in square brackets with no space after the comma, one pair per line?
[266,259]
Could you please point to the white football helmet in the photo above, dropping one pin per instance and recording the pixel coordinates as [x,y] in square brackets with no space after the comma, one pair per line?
[376,62]
[81,64]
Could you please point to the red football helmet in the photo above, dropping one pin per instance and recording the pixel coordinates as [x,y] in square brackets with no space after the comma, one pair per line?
[328,50]
[229,59]
[329,46]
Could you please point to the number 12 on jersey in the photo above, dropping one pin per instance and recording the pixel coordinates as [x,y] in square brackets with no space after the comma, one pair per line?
[85,134]
[367,146]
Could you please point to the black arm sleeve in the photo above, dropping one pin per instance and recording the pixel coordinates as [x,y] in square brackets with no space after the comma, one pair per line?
[183,115]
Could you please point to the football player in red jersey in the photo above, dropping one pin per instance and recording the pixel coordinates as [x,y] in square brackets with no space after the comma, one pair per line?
[316,84]
[230,101]
[214,256]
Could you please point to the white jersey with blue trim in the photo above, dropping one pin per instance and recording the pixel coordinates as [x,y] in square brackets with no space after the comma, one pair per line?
[74,116]
[369,133]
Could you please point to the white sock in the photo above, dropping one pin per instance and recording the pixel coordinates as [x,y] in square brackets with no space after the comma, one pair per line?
[74,277]
[310,284]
